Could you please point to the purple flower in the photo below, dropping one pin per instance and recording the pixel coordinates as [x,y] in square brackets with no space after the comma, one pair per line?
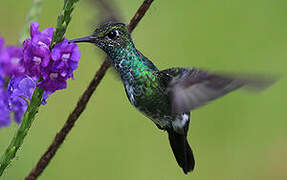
[26,65]
[4,111]
[20,89]
[43,37]
[1,81]
[65,57]
[1,78]
[1,43]
[36,51]
[11,61]
[53,82]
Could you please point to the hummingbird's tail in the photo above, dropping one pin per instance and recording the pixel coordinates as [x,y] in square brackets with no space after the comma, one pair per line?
[181,150]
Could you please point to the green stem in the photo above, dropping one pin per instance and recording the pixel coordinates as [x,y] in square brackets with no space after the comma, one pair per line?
[32,16]
[64,19]
[22,131]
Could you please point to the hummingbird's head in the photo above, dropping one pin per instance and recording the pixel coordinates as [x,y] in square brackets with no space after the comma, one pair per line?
[109,36]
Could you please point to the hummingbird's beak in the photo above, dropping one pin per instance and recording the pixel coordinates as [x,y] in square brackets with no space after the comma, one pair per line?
[90,39]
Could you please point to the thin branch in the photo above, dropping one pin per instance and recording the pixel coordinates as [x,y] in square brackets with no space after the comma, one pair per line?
[80,107]
[139,14]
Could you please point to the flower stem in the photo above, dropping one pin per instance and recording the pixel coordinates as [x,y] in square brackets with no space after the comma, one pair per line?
[63,20]
[22,131]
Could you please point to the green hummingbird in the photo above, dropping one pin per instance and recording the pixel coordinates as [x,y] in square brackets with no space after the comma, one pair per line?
[167,96]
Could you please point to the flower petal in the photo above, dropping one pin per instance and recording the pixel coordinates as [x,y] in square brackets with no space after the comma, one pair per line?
[34,29]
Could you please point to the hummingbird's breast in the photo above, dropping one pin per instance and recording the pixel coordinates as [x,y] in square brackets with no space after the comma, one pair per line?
[145,92]
[151,101]
[142,85]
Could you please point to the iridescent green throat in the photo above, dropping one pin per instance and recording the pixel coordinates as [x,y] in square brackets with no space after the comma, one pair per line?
[130,63]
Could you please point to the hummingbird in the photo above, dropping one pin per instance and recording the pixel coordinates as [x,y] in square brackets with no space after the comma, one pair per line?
[166,96]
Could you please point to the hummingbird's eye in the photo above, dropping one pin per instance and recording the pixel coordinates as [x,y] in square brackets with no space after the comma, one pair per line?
[114,34]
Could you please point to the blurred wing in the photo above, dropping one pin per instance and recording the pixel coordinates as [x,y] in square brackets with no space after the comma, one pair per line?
[191,88]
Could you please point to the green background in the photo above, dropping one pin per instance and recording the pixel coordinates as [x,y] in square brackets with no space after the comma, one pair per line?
[240,136]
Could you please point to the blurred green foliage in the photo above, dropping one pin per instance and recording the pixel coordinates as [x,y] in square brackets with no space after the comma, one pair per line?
[239,136]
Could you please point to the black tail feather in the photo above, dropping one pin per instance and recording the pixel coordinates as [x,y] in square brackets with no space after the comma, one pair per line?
[181,150]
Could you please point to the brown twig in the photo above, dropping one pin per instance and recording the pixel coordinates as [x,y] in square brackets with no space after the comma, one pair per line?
[139,14]
[80,107]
